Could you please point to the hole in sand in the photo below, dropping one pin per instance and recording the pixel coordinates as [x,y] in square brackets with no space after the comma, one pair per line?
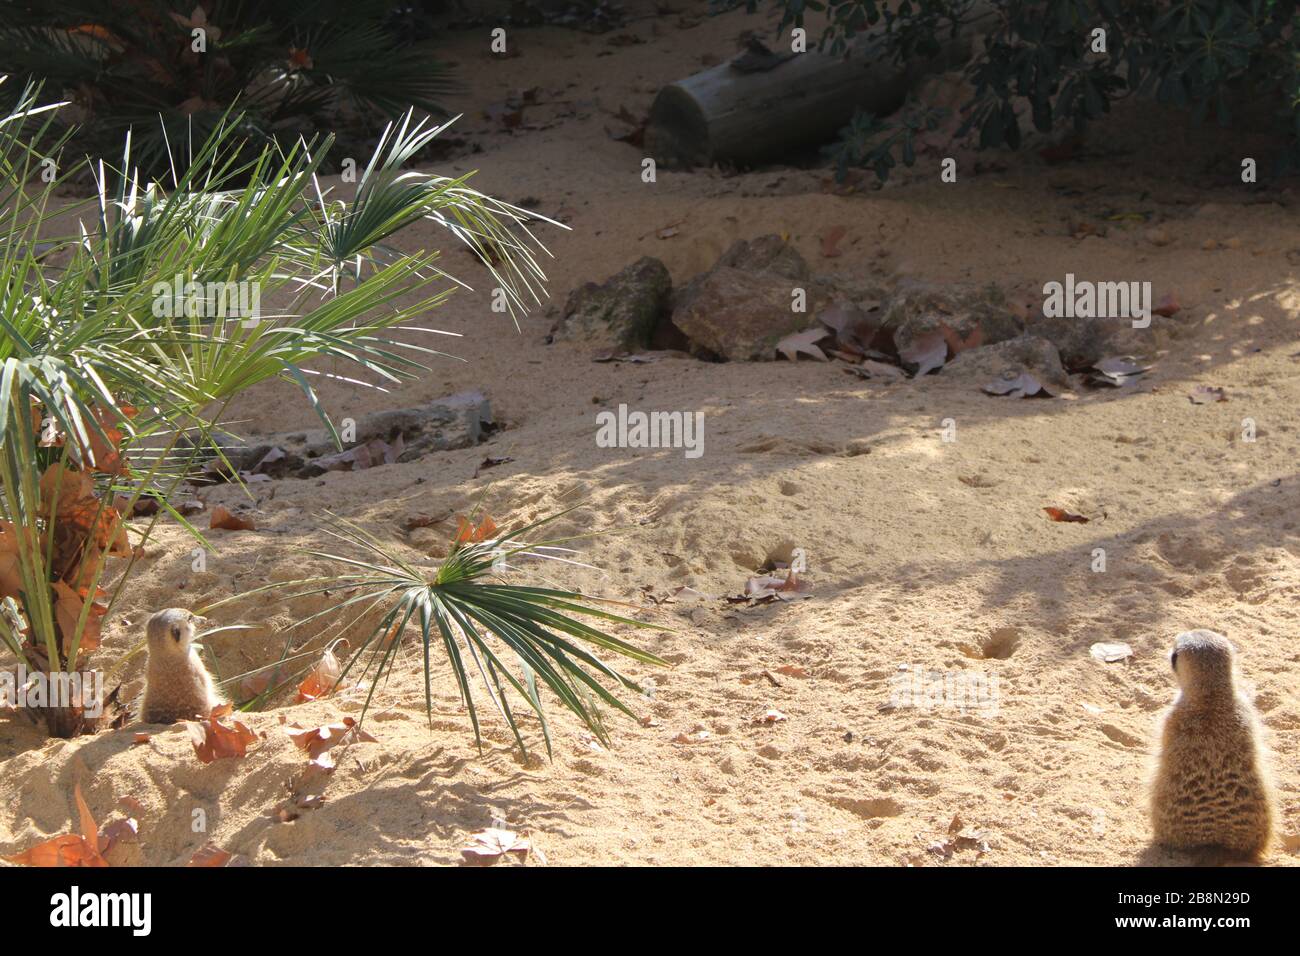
[998,644]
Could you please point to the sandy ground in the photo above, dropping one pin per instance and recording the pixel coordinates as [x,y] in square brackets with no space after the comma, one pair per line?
[923,555]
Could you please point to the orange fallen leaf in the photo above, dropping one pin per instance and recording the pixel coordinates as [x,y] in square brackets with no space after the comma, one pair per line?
[1060,514]
[1168,305]
[322,678]
[831,240]
[209,855]
[213,740]
[317,740]
[468,533]
[67,611]
[223,519]
[141,739]
[69,849]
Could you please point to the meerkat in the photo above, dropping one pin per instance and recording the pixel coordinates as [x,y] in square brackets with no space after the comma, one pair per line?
[1212,787]
[176,684]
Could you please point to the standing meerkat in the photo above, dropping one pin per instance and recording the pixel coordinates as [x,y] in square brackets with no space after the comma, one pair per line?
[176,684]
[1212,788]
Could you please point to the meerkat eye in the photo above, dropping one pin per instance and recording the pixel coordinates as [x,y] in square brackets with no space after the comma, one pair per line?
[176,632]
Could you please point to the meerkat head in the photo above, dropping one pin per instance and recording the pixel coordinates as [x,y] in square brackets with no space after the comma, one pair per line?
[1202,661]
[171,631]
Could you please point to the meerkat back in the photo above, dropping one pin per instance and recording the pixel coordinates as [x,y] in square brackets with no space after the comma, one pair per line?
[1212,787]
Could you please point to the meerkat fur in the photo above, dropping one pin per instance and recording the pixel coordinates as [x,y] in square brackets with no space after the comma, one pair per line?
[1212,787]
[177,685]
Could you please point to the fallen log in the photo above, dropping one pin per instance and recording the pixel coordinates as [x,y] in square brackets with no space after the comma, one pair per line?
[761,105]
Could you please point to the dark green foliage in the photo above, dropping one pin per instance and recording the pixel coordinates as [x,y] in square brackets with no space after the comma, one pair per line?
[291,69]
[1200,55]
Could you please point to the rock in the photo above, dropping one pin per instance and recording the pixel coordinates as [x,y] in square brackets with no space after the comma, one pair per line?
[743,306]
[621,312]
[1159,236]
[768,255]
[738,315]
[1083,342]
[457,421]
[1026,353]
[917,308]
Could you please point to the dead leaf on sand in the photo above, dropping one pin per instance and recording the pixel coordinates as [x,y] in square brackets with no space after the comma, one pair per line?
[214,740]
[1016,383]
[804,342]
[831,240]
[769,716]
[765,588]
[1110,653]
[1207,394]
[1060,514]
[491,461]
[1167,306]
[489,846]
[322,678]
[1117,370]
[209,855]
[927,352]
[224,520]
[69,849]
[316,740]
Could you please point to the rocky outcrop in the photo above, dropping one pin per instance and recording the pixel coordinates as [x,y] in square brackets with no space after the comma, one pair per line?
[622,311]
[745,304]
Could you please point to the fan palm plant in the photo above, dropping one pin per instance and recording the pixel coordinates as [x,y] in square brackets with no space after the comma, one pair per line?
[461,608]
[168,68]
[111,386]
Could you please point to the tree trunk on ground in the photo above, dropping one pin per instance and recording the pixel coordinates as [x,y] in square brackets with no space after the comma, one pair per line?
[747,115]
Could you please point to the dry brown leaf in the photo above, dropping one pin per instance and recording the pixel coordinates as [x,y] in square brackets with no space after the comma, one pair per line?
[928,352]
[1060,514]
[213,740]
[68,605]
[1168,305]
[209,855]
[831,240]
[804,342]
[321,679]
[224,520]
[69,849]
[488,846]
[317,740]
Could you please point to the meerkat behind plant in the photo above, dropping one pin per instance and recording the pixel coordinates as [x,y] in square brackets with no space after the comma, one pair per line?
[1212,787]
[176,684]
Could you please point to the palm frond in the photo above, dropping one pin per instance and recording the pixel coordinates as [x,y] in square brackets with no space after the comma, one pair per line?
[515,636]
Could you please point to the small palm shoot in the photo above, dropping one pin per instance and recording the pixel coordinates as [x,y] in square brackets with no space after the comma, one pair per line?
[476,620]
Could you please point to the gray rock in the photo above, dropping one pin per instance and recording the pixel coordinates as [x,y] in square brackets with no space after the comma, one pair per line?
[1006,360]
[917,309]
[1083,342]
[622,311]
[457,421]
[768,255]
